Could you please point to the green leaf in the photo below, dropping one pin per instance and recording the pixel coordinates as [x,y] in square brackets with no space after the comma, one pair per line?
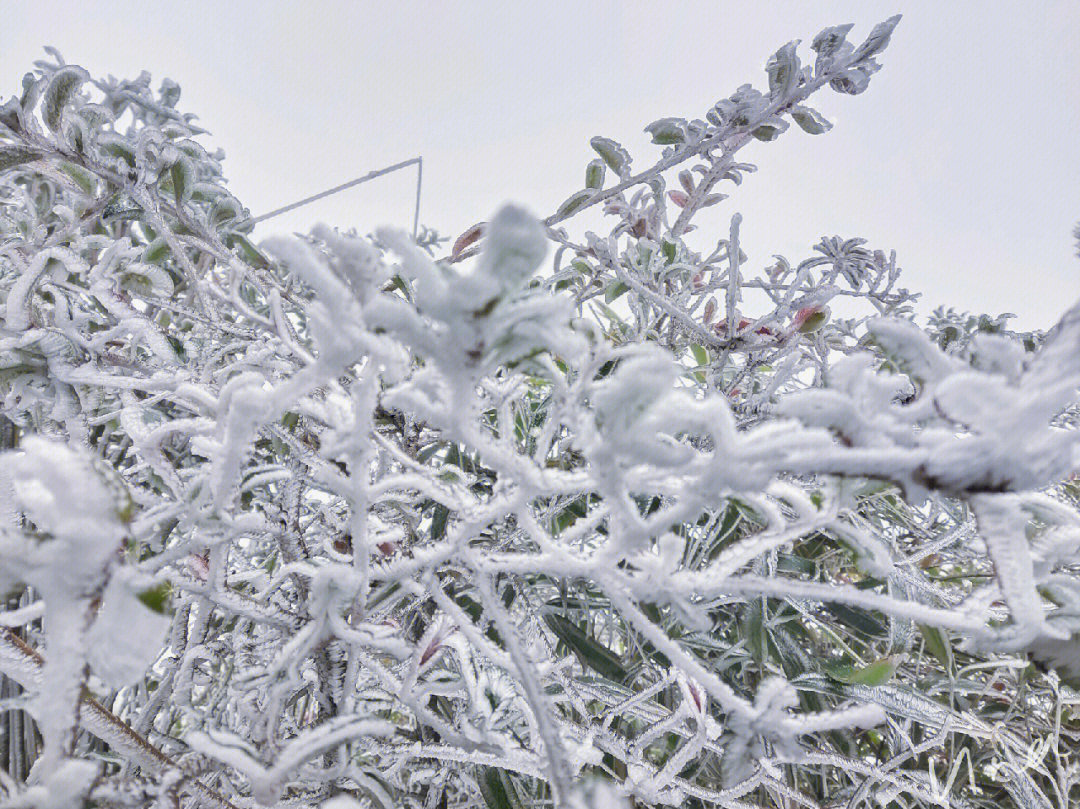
[667,131]
[156,252]
[116,147]
[828,42]
[575,202]
[757,640]
[814,322]
[226,208]
[183,176]
[612,153]
[616,289]
[146,280]
[810,120]
[438,521]
[594,174]
[157,597]
[591,653]
[789,563]
[253,256]
[767,132]
[63,86]
[877,673]
[16,155]
[858,620]
[937,644]
[493,789]
[701,354]
[84,179]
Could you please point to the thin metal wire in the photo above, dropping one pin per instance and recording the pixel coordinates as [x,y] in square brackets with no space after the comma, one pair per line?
[416,212]
[418,161]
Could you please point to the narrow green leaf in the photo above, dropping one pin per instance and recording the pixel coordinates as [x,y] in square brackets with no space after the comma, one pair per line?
[757,641]
[591,653]
[15,155]
[251,254]
[858,620]
[575,202]
[116,148]
[937,644]
[493,790]
[84,179]
[438,521]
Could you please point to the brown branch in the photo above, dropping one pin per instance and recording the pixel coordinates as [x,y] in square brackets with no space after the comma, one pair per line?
[21,662]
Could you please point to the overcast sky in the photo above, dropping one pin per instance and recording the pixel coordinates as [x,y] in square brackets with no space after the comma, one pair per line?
[963,155]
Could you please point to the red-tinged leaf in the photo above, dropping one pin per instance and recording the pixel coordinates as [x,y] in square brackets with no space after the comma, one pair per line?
[199,564]
[430,651]
[466,239]
[710,311]
[679,198]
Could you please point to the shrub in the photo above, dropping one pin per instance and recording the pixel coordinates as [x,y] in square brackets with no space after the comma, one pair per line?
[329,521]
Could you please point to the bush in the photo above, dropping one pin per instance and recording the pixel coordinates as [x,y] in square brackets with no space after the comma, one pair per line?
[327,521]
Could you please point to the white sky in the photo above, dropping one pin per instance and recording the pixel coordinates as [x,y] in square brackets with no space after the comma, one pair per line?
[963,154]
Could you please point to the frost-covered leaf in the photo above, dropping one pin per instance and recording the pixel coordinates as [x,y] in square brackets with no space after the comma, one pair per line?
[592,654]
[615,290]
[574,203]
[770,131]
[12,155]
[852,82]
[127,635]
[146,280]
[467,239]
[667,131]
[156,252]
[830,43]
[84,179]
[877,40]
[783,70]
[810,120]
[182,175]
[873,674]
[617,158]
[594,174]
[63,85]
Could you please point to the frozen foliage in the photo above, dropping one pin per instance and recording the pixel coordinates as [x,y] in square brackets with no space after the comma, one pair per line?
[327,522]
